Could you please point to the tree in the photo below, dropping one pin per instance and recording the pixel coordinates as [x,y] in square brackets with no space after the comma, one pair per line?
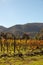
[39,35]
[14,43]
[1,44]
[2,41]
[9,36]
[25,36]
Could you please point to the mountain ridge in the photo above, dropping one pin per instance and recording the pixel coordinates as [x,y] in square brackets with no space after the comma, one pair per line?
[20,29]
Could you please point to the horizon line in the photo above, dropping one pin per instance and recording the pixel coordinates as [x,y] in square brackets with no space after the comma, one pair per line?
[21,24]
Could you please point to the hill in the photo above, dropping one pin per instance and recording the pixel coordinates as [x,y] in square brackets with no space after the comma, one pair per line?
[2,28]
[20,29]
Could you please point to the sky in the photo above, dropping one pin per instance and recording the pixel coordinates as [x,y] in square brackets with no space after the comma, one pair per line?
[14,12]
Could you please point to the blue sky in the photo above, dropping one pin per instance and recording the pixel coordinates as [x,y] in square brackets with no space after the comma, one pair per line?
[14,12]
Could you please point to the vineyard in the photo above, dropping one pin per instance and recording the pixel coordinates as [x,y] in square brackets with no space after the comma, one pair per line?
[11,46]
[21,51]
